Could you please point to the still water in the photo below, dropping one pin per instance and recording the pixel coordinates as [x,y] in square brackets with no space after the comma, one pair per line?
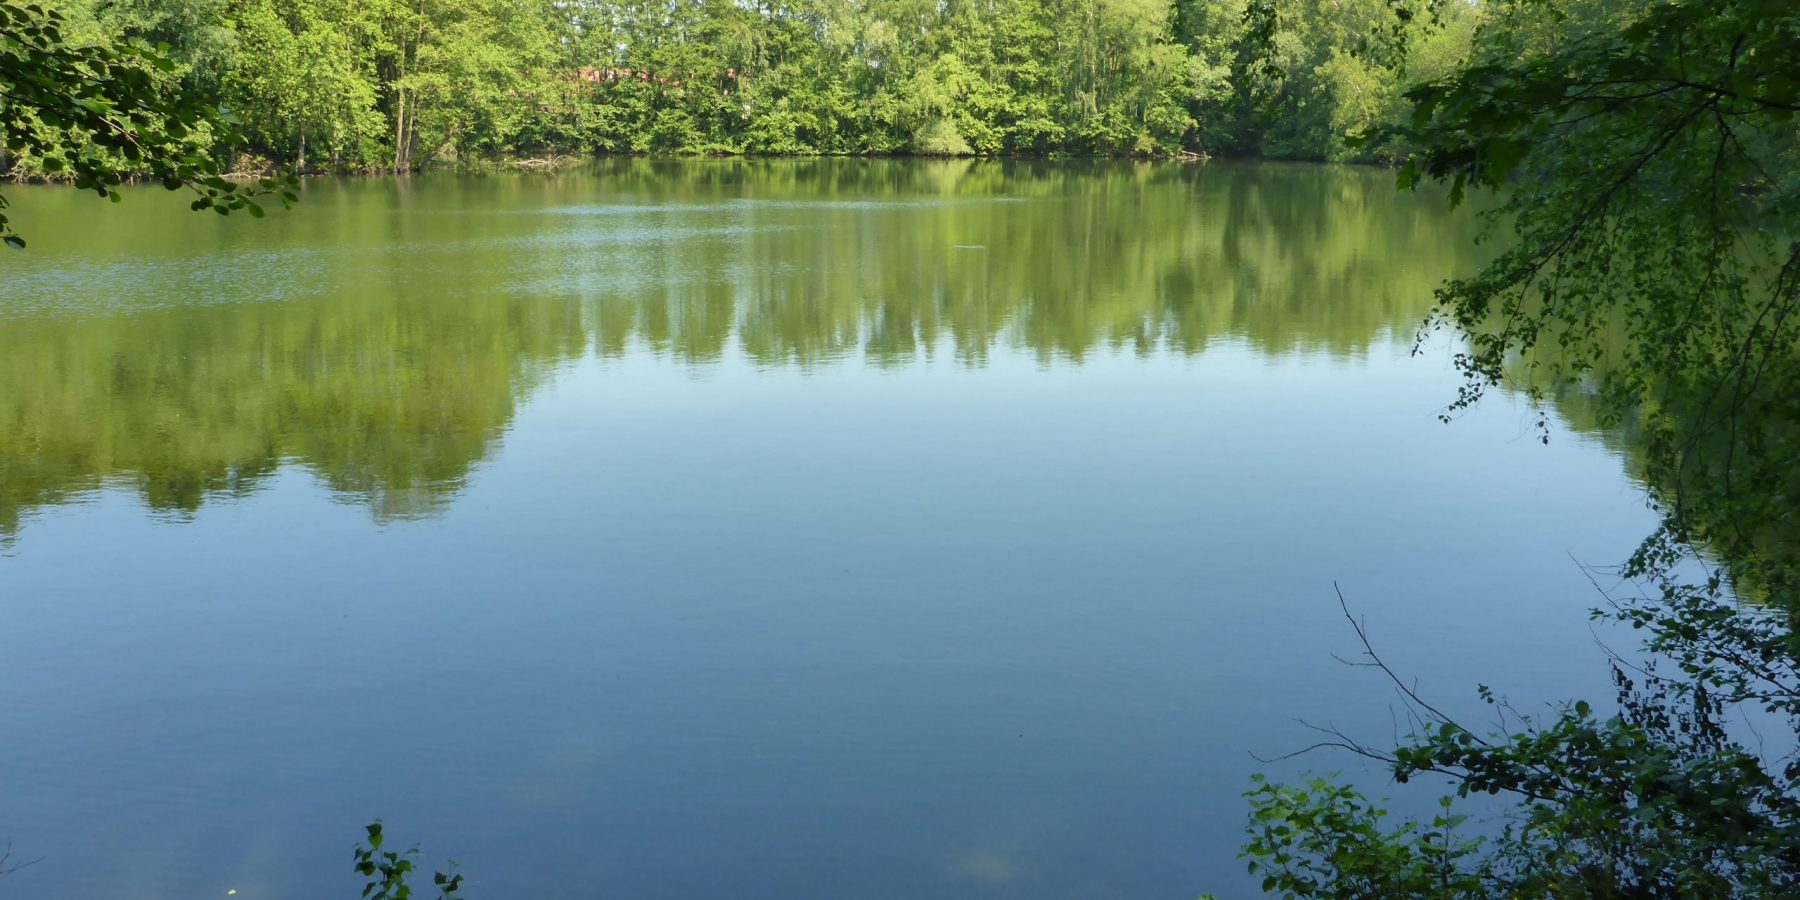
[824,529]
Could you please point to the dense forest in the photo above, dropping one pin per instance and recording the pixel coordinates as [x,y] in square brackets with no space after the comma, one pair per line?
[340,85]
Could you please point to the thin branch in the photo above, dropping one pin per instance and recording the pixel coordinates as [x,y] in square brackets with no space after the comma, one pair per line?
[1410,692]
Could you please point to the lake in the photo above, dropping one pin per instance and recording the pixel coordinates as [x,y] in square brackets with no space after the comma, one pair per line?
[762,529]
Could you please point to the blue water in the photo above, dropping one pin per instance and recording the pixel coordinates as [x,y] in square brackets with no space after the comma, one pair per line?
[985,617]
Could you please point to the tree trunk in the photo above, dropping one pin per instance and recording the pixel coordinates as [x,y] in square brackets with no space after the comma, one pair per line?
[399,130]
[300,151]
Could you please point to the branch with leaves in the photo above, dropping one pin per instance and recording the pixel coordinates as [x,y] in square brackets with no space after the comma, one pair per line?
[122,104]
[388,870]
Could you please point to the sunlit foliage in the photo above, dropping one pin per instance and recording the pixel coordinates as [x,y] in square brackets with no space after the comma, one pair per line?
[404,84]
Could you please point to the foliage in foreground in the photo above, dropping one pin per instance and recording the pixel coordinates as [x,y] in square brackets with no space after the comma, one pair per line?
[1322,836]
[1656,800]
[96,113]
[1650,163]
[387,871]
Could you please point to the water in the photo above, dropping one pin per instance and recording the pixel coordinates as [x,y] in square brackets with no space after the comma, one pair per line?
[751,529]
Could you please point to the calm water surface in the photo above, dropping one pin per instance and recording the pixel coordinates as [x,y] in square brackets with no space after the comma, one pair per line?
[788,530]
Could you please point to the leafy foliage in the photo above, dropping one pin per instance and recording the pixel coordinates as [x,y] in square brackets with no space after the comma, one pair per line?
[387,871]
[404,84]
[1656,800]
[98,113]
[1327,840]
[1649,165]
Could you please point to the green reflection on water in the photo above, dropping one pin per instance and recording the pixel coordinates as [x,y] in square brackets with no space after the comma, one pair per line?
[383,334]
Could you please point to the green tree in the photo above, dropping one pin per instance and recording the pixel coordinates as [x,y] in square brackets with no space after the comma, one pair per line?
[304,74]
[404,84]
[1646,156]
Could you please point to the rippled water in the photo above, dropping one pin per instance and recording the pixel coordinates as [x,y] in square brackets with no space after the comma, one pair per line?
[748,529]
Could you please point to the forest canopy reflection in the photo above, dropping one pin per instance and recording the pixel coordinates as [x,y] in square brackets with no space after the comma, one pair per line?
[431,309]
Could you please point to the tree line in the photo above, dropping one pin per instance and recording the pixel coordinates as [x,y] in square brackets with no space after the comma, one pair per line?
[342,85]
